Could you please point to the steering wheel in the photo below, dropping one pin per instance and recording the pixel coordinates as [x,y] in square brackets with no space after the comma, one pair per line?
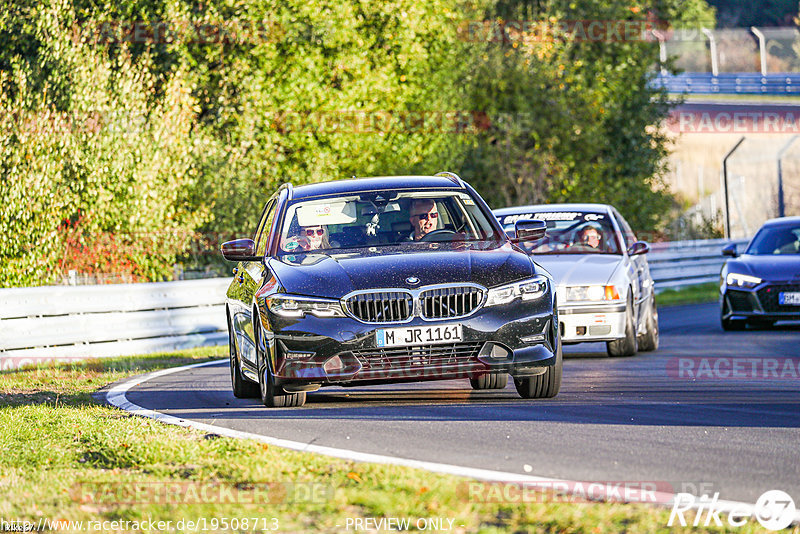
[431,236]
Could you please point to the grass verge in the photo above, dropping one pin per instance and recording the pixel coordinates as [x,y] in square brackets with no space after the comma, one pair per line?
[65,457]
[699,294]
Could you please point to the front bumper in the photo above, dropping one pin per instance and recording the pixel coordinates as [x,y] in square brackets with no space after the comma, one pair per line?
[519,339]
[592,322]
[760,302]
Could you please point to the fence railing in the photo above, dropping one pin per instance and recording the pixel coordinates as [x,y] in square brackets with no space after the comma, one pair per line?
[730,83]
[65,322]
[683,263]
[73,322]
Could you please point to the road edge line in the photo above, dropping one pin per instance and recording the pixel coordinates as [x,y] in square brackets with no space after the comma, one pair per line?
[116,395]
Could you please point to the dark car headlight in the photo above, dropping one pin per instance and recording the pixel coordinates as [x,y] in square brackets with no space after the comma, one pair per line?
[295,306]
[742,280]
[529,289]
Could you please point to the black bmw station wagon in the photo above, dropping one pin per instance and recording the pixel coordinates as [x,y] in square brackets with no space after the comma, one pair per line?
[384,280]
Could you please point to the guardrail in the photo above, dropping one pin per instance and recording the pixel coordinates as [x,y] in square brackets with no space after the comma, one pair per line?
[678,264]
[73,322]
[730,83]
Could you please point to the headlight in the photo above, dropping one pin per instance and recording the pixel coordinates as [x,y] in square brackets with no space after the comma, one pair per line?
[742,280]
[592,293]
[530,289]
[291,306]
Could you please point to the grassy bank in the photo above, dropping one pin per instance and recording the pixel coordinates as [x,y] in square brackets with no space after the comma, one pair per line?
[66,457]
[699,294]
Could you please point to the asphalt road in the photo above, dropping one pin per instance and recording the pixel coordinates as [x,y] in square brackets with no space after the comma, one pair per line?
[616,419]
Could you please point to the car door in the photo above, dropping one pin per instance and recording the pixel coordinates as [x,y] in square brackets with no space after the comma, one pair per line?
[640,270]
[247,279]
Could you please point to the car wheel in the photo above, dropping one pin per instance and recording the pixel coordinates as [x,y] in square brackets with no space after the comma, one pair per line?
[543,386]
[649,340]
[730,325]
[626,346]
[490,381]
[271,395]
[242,388]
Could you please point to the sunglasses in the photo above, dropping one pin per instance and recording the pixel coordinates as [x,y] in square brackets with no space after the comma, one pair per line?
[311,231]
[425,216]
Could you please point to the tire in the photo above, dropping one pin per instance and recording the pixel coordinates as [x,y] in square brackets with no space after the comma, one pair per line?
[490,381]
[544,386]
[649,340]
[730,325]
[242,388]
[271,395]
[626,346]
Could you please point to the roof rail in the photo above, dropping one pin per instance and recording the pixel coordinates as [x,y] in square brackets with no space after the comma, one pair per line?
[288,186]
[452,176]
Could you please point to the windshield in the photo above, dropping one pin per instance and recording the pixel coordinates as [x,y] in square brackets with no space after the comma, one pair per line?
[776,240]
[568,232]
[383,218]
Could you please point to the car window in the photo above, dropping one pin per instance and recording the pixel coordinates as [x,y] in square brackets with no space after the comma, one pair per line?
[568,232]
[383,218]
[776,240]
[627,232]
[264,227]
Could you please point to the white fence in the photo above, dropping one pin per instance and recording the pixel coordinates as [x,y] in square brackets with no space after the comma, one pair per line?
[684,263]
[67,322]
[72,322]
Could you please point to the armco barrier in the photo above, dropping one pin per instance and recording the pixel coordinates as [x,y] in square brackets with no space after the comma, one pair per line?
[730,83]
[683,263]
[68,322]
[71,322]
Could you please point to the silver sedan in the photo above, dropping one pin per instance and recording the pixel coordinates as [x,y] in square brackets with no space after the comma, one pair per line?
[604,288]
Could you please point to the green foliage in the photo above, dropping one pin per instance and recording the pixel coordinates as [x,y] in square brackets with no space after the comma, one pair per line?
[153,136]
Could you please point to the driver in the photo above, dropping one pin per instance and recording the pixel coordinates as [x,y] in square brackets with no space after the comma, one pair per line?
[590,236]
[424,217]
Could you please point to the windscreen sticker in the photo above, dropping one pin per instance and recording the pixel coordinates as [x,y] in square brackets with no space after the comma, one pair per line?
[554,216]
[326,213]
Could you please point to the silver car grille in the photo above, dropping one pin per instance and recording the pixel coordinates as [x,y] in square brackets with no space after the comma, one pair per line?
[381,307]
[400,305]
[450,302]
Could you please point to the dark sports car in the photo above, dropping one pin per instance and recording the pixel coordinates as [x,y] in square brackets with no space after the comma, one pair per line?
[762,286]
[380,280]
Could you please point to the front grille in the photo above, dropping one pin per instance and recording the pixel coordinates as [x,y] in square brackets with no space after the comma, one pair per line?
[740,301]
[381,307]
[448,302]
[416,358]
[768,296]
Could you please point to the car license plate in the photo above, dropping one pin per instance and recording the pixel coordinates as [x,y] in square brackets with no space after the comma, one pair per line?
[418,335]
[789,299]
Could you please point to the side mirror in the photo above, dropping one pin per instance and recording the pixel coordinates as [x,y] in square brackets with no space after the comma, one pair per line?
[529,230]
[730,250]
[240,250]
[640,247]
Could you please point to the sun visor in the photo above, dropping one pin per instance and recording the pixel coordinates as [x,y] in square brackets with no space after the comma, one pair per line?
[326,213]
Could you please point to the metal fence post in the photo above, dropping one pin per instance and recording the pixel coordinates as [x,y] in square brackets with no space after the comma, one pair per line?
[725,178]
[762,49]
[713,44]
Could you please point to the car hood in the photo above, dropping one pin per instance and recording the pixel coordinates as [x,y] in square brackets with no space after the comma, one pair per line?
[339,272]
[768,267]
[580,269]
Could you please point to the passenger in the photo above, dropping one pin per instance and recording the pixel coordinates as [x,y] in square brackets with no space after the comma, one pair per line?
[314,237]
[424,218]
